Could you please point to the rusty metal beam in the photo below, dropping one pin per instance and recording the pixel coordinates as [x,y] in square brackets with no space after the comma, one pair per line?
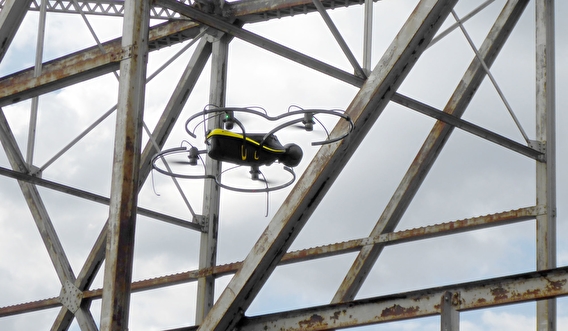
[421,233]
[430,149]
[546,139]
[91,62]
[119,254]
[253,10]
[163,128]
[327,164]
[428,302]
[212,191]
[84,65]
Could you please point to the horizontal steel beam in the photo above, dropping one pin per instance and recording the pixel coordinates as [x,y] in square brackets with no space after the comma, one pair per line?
[467,296]
[254,10]
[421,233]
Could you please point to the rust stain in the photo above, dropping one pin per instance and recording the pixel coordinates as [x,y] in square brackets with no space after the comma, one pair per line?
[555,286]
[336,314]
[481,300]
[314,320]
[500,293]
[398,310]
[532,294]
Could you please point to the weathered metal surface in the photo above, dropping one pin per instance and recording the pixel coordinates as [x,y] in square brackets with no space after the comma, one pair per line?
[83,65]
[545,136]
[430,150]
[442,229]
[422,303]
[326,165]
[119,254]
[427,302]
[261,10]
[91,62]
[70,296]
[253,11]
[449,316]
[211,191]
[162,129]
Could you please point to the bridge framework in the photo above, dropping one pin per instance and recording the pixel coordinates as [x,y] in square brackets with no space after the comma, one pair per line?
[210,27]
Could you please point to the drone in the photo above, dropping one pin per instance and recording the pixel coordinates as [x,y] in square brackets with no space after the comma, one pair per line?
[232,144]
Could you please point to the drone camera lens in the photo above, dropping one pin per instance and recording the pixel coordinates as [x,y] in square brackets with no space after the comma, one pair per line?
[292,156]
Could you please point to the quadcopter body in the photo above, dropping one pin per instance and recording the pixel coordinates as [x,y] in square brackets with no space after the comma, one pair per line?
[252,150]
[240,148]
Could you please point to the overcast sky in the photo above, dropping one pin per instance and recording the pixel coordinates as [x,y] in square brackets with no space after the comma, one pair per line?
[472,177]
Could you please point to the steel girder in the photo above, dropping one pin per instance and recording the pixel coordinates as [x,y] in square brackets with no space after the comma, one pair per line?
[431,148]
[253,11]
[296,210]
[326,165]
[393,238]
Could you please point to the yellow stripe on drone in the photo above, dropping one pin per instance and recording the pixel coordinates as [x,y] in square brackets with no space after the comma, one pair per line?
[221,132]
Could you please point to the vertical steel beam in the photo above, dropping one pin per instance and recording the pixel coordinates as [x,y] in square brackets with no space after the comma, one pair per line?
[310,189]
[126,165]
[367,36]
[546,139]
[450,316]
[430,150]
[211,192]
[37,73]
[161,132]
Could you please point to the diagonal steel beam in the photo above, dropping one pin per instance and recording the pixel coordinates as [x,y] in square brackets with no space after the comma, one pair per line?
[467,126]
[339,39]
[83,65]
[11,17]
[94,197]
[260,41]
[310,189]
[165,124]
[42,219]
[91,62]
[430,149]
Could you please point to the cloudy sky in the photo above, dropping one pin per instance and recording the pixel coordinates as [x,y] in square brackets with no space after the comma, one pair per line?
[472,177]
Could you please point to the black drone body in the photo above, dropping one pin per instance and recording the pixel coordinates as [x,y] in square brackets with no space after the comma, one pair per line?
[240,148]
[252,150]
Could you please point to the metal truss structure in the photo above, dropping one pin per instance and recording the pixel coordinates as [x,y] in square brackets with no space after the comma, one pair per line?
[184,21]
